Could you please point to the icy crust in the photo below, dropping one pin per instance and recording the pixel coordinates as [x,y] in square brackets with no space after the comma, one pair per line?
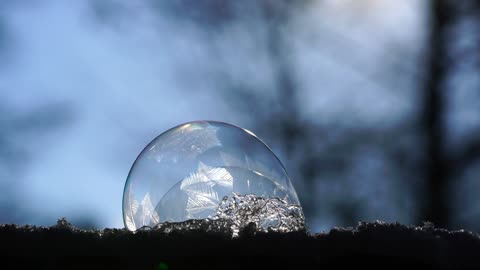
[268,214]
[207,225]
[239,211]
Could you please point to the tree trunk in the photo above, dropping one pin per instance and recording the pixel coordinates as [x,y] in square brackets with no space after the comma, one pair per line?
[436,171]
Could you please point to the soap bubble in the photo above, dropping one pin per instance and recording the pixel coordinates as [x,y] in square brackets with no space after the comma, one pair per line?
[189,172]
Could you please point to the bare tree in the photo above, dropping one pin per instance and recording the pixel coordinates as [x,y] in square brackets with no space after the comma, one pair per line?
[435,208]
[442,167]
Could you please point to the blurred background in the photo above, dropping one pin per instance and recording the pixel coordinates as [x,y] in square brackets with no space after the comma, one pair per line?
[373,106]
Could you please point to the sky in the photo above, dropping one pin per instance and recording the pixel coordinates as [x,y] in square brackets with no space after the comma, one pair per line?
[108,79]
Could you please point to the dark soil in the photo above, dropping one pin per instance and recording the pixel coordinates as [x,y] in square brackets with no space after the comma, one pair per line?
[368,246]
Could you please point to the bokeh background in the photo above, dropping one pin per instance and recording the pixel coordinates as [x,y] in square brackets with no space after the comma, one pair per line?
[373,106]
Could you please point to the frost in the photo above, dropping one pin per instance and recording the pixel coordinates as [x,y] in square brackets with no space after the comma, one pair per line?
[268,214]
[207,225]
[240,211]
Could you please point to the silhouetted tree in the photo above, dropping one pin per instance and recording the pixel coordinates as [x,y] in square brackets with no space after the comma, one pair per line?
[442,167]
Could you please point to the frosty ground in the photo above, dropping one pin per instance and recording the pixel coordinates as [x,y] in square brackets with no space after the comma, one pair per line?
[375,245]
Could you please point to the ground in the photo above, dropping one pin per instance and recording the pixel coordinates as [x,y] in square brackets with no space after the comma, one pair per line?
[375,245]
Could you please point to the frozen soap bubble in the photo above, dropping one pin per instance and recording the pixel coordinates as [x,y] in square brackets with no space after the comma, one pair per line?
[210,170]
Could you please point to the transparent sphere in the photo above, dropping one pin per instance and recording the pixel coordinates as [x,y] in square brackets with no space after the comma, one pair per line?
[186,172]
